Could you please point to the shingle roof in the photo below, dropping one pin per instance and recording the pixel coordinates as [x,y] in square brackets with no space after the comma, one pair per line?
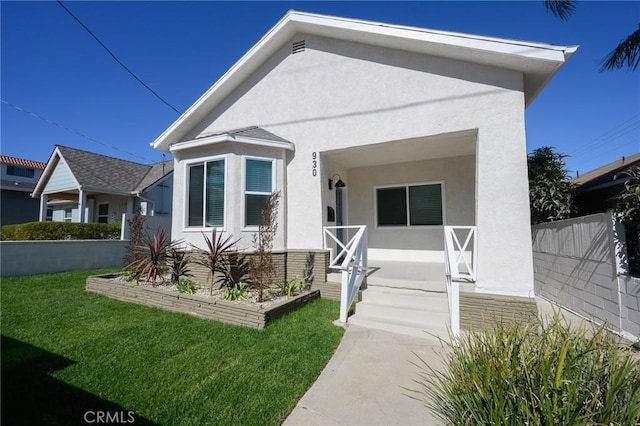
[249,132]
[157,171]
[22,162]
[615,166]
[99,171]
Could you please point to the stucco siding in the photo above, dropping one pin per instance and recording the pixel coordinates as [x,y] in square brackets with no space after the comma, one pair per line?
[340,94]
[61,179]
[458,178]
[161,196]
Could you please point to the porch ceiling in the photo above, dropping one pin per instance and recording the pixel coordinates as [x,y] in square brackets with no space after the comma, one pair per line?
[400,151]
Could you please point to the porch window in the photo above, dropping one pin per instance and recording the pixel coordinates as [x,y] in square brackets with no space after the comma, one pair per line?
[409,205]
[103,213]
[206,194]
[258,188]
[68,214]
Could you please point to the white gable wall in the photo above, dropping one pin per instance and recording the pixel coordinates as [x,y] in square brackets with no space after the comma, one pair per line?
[61,179]
[339,94]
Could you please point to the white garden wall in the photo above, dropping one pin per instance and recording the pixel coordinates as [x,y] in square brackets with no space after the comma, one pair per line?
[575,267]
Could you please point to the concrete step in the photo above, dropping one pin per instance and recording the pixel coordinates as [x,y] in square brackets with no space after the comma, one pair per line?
[419,317]
[372,280]
[401,327]
[412,299]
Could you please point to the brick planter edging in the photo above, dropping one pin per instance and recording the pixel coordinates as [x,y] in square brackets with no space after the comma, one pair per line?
[203,307]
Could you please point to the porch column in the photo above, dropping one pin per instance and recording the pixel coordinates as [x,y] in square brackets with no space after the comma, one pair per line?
[82,205]
[43,208]
[130,205]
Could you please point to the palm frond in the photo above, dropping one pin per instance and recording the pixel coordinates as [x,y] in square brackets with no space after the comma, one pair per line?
[560,8]
[627,53]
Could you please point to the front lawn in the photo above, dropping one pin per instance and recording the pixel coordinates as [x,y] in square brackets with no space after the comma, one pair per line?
[69,356]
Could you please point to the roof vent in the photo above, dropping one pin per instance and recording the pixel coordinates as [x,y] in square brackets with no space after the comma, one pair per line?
[297,47]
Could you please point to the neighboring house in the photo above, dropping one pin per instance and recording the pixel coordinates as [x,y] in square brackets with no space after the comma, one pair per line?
[18,178]
[81,186]
[401,129]
[597,190]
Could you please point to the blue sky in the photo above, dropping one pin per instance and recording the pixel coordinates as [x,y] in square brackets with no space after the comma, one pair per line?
[52,67]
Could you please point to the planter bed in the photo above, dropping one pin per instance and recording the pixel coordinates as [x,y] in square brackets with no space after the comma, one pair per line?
[204,307]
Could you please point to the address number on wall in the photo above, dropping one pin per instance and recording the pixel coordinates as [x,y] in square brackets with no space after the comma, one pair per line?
[314,163]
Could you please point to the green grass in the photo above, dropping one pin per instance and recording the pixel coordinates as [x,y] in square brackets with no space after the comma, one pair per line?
[66,351]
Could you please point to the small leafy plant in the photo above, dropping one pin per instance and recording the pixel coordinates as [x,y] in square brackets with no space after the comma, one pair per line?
[533,374]
[292,287]
[236,292]
[185,285]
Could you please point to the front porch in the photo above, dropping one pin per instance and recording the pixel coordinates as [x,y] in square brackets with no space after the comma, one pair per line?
[422,299]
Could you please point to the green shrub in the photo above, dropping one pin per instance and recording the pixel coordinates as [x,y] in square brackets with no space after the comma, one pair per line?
[534,374]
[184,285]
[236,292]
[60,231]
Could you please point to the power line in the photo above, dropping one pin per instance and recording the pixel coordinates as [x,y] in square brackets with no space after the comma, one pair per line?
[82,135]
[116,59]
[614,131]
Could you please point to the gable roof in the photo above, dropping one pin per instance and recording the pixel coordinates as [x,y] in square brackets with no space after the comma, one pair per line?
[15,161]
[537,61]
[97,172]
[605,173]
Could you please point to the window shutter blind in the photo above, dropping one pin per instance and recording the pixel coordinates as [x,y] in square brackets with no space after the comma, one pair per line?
[215,193]
[392,206]
[196,187]
[259,176]
[425,205]
[258,179]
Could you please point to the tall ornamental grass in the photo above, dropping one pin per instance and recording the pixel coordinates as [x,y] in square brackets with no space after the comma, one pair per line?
[534,374]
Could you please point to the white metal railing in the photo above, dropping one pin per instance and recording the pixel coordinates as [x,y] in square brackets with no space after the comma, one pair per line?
[455,256]
[351,259]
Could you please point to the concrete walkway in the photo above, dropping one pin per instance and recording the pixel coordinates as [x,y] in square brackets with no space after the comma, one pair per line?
[363,383]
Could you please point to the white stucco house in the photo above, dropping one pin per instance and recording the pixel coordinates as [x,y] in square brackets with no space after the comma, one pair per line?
[419,128]
[82,186]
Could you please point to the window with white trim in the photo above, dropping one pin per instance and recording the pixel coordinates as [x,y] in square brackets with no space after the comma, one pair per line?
[68,215]
[103,213]
[409,205]
[205,205]
[258,186]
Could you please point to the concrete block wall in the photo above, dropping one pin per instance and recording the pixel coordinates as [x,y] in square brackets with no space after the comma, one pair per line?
[288,265]
[575,266]
[630,287]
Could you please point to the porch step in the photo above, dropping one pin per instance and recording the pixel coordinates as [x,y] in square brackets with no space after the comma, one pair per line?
[372,280]
[407,298]
[401,310]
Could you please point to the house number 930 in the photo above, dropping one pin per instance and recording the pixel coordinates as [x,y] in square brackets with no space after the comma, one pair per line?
[314,163]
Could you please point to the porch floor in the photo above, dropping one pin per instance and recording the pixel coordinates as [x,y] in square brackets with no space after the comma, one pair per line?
[425,276]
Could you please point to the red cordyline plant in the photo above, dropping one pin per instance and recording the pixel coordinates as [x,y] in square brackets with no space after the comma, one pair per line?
[216,255]
[155,253]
